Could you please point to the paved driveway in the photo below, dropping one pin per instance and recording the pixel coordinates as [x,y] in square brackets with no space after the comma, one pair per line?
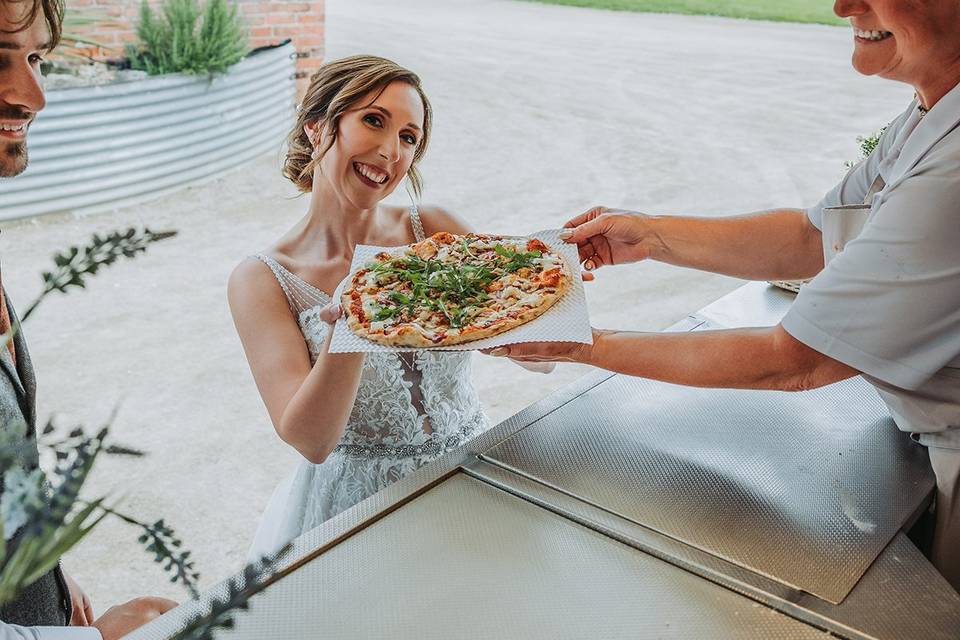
[541,111]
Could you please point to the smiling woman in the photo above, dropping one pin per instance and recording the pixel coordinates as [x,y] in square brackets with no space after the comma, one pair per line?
[360,422]
[911,41]
[333,94]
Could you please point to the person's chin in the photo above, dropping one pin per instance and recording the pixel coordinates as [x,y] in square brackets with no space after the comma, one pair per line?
[13,160]
[367,198]
[866,65]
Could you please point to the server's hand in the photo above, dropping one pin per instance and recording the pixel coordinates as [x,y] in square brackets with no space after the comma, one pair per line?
[606,237]
[544,351]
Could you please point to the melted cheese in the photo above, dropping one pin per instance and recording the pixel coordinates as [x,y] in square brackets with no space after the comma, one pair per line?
[548,261]
[510,292]
[529,300]
[370,307]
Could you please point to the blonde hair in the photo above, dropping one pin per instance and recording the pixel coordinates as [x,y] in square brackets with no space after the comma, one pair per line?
[333,90]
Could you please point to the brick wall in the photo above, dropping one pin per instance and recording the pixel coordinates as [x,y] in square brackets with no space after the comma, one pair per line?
[267,22]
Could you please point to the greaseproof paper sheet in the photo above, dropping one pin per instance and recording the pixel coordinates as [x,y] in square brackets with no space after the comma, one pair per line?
[566,321]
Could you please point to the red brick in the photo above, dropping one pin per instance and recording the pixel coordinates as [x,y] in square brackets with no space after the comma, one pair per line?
[254,22]
[255,8]
[309,65]
[305,42]
[291,29]
[310,17]
[281,18]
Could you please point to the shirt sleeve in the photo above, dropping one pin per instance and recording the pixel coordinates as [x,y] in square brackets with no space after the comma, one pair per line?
[16,632]
[853,188]
[889,303]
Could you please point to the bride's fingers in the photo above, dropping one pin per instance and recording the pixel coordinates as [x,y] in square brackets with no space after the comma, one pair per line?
[587,276]
[330,313]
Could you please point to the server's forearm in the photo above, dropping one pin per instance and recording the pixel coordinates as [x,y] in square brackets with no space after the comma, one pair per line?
[780,244]
[764,358]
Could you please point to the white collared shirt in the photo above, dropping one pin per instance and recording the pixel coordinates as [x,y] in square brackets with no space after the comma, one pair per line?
[889,303]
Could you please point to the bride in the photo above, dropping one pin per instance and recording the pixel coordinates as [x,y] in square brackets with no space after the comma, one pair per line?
[361,421]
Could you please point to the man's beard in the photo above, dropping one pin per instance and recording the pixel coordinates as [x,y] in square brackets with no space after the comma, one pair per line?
[13,159]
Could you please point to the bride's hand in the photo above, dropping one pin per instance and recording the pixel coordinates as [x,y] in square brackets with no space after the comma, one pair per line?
[606,237]
[331,313]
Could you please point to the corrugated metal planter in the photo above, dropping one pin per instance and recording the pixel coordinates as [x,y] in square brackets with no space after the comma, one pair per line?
[97,147]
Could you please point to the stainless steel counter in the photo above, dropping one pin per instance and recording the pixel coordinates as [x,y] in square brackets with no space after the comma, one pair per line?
[619,507]
[782,484]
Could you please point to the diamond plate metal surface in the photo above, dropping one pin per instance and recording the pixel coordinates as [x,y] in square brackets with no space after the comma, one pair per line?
[468,560]
[902,596]
[804,488]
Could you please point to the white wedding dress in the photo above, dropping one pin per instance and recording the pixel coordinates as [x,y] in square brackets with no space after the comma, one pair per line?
[410,408]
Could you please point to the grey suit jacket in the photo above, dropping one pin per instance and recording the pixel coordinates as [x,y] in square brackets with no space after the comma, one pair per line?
[46,601]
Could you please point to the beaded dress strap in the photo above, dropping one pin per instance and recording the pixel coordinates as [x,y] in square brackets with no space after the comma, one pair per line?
[301,295]
[416,223]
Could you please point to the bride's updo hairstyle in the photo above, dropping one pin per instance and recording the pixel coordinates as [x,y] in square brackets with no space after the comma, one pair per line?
[335,89]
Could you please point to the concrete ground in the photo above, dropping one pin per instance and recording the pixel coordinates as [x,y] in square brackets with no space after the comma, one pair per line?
[541,111]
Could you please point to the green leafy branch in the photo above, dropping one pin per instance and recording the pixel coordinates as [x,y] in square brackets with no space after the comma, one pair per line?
[38,525]
[76,263]
[221,611]
[41,518]
[161,540]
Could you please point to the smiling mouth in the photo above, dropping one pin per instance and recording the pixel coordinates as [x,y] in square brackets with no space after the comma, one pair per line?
[875,35]
[370,174]
[14,129]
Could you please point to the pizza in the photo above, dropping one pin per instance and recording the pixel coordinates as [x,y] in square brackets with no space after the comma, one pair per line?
[450,289]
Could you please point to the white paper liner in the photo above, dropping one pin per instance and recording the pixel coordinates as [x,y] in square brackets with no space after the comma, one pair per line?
[566,321]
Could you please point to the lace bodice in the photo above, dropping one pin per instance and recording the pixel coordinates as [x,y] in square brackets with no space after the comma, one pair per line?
[409,409]
[407,404]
